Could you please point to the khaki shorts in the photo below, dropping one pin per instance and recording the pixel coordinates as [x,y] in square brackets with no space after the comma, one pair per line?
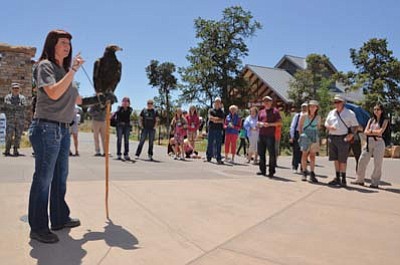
[314,148]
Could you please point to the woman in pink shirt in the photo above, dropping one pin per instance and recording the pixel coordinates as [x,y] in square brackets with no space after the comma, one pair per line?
[179,127]
[193,122]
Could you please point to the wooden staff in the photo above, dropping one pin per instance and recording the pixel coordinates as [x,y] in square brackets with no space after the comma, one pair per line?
[106,150]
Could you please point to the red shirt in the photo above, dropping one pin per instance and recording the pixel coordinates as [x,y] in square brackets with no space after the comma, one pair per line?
[272,115]
[193,122]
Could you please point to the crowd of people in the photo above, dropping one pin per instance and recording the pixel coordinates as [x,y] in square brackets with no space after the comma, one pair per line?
[55,119]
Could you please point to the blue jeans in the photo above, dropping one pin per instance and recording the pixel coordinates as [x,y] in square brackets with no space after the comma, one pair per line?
[146,133]
[214,141]
[123,130]
[50,143]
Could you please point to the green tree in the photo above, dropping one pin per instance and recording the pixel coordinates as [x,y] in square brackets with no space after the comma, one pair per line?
[378,74]
[308,82]
[162,76]
[215,63]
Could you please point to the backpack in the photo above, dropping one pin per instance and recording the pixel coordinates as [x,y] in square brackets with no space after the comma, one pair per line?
[386,135]
[113,120]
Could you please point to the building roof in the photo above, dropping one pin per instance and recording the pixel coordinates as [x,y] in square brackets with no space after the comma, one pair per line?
[299,61]
[277,79]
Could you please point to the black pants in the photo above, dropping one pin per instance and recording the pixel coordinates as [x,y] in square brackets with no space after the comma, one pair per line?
[242,144]
[296,157]
[266,143]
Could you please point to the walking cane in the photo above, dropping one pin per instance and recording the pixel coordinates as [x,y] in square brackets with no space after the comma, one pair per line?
[108,106]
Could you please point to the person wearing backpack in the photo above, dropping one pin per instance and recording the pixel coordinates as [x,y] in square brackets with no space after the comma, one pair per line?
[294,138]
[375,146]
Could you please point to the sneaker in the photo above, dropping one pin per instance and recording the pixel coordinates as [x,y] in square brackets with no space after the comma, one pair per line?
[150,157]
[126,157]
[313,179]
[97,154]
[374,186]
[72,222]
[44,237]
[175,158]
[259,173]
[357,183]
[334,182]
[304,176]
[182,159]
[136,157]
[119,157]
[220,162]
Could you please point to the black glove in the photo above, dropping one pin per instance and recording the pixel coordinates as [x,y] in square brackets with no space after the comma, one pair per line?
[88,101]
[111,97]
[100,99]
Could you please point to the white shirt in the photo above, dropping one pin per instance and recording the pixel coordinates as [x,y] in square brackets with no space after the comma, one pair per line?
[333,119]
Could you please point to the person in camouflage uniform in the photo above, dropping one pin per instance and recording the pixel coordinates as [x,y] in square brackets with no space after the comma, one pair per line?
[14,108]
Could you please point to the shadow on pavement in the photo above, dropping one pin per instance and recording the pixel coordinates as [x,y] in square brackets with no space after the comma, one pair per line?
[277,178]
[70,251]
[392,190]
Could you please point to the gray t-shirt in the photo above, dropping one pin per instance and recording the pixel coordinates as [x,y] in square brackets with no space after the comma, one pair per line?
[62,109]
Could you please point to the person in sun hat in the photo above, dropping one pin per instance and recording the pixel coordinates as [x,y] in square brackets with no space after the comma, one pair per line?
[310,124]
[341,124]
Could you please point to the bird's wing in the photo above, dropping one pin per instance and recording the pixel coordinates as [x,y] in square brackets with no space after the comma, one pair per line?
[117,75]
[96,77]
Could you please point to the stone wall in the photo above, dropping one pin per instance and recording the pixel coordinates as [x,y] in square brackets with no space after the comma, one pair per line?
[16,66]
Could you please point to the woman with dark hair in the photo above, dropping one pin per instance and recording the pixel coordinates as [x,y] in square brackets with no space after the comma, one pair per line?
[375,146]
[309,126]
[124,127]
[50,138]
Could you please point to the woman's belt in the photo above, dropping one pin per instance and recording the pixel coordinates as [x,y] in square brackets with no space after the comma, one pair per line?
[61,124]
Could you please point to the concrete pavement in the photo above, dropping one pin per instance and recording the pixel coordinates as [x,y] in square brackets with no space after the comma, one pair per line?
[191,212]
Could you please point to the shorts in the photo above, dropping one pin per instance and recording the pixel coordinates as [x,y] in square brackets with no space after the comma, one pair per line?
[338,148]
[314,148]
[74,128]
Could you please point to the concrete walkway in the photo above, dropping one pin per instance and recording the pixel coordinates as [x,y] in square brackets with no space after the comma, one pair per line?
[171,212]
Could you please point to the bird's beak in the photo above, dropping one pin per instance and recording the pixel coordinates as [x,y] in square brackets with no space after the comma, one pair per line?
[119,49]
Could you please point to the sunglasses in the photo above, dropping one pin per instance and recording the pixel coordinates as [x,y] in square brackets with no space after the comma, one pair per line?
[149,103]
[15,88]
[337,102]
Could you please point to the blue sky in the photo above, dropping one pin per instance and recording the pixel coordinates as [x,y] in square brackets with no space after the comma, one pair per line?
[163,30]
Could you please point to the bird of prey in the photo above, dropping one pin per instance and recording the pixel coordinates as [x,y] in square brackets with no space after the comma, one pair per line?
[107,71]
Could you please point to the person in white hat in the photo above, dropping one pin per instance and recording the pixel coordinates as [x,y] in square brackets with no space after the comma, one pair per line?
[14,107]
[341,124]
[294,137]
[310,124]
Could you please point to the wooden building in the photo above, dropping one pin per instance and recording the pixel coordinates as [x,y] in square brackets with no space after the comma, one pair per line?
[275,82]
